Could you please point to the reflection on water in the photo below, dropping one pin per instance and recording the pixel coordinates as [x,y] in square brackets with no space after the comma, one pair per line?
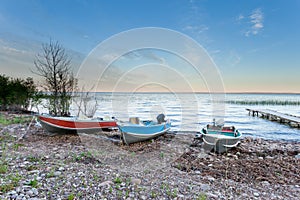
[190,112]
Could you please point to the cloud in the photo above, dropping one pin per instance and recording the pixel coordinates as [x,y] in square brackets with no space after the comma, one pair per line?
[194,23]
[240,17]
[234,58]
[196,29]
[256,21]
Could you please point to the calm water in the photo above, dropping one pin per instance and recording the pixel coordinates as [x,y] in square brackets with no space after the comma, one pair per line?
[191,112]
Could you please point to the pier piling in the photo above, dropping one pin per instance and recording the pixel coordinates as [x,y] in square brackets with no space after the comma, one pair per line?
[293,121]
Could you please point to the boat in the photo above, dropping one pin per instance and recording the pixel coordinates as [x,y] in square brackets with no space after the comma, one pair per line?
[74,124]
[220,138]
[137,131]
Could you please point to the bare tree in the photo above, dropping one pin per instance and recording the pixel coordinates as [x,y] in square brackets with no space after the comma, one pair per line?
[54,65]
[86,103]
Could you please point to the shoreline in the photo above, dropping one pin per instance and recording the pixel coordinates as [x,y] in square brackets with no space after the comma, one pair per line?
[79,167]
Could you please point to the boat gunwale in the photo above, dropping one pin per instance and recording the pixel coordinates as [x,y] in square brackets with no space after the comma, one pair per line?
[148,134]
[74,119]
[76,128]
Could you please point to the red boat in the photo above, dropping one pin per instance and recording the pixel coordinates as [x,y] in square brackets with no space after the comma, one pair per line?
[75,125]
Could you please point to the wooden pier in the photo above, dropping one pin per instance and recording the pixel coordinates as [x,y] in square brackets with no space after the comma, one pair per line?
[273,115]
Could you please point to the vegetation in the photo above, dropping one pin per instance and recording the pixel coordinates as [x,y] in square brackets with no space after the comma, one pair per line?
[14,120]
[16,93]
[265,102]
[86,102]
[54,65]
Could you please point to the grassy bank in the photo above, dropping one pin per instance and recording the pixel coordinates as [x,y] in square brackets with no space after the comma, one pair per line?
[14,119]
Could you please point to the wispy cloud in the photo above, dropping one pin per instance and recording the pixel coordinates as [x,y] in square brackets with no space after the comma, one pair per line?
[256,21]
[240,17]
[194,22]
[196,28]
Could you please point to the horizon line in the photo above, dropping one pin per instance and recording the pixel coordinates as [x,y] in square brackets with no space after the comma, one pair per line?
[198,92]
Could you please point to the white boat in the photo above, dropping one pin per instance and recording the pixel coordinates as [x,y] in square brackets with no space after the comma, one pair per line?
[220,138]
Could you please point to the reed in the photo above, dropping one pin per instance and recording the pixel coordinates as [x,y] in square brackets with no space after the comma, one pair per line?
[264,102]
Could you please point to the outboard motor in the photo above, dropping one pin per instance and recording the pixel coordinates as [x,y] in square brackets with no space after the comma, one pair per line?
[160,118]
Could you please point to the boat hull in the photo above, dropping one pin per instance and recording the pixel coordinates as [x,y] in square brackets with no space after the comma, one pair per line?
[64,125]
[136,133]
[219,141]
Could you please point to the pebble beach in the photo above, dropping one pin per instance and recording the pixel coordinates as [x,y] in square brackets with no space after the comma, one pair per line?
[36,165]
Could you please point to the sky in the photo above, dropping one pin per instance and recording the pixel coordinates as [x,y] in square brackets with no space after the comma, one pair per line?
[254,45]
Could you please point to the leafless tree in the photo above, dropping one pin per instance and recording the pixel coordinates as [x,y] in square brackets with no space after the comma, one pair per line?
[54,65]
[86,103]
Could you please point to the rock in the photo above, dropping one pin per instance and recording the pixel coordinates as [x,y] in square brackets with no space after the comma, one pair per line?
[297,156]
[80,173]
[212,195]
[29,193]
[256,194]
[57,173]
[61,169]
[204,187]
[26,187]
[123,184]
[260,158]
[259,140]
[19,197]
[35,191]
[18,189]
[131,194]
[266,183]
[105,183]
[13,192]
[136,181]
[210,178]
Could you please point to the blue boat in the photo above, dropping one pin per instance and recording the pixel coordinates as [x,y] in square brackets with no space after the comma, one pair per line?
[136,131]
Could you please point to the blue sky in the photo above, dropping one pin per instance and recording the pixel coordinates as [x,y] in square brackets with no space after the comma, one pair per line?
[255,44]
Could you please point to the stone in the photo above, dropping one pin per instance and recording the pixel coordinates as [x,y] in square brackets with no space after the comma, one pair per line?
[266,183]
[136,181]
[256,194]
[61,169]
[105,183]
[204,187]
[35,191]
[29,193]
[297,156]
[210,178]
[131,195]
[57,173]
[26,187]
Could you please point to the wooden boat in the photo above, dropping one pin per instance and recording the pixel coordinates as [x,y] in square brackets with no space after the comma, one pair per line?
[74,125]
[136,131]
[220,138]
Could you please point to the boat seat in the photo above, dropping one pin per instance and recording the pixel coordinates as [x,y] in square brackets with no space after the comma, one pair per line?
[214,127]
[134,120]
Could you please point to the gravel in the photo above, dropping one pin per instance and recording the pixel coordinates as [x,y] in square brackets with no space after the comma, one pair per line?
[43,166]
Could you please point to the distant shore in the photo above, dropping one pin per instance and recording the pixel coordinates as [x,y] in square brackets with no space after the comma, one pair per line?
[72,166]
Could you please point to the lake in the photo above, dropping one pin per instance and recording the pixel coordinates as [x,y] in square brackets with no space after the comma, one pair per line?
[191,112]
